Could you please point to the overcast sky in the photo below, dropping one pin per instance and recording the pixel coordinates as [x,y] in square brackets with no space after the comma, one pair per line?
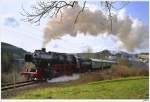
[30,37]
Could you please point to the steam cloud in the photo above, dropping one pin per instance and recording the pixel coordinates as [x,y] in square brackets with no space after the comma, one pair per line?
[64,78]
[131,32]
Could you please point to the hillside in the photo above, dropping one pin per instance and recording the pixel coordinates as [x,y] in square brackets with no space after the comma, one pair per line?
[113,55]
[99,55]
[15,51]
[10,54]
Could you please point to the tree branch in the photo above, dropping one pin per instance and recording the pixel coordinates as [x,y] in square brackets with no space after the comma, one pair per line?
[80,12]
[53,8]
[44,8]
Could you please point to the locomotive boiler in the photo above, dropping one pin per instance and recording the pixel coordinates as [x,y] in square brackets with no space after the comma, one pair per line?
[50,64]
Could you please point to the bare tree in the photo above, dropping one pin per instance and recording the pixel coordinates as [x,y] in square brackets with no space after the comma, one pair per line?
[53,8]
[42,8]
[110,5]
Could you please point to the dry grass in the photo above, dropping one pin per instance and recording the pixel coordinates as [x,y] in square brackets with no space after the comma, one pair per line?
[125,71]
[117,71]
[11,77]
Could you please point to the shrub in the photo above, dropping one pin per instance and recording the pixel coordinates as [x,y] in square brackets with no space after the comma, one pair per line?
[125,71]
[11,77]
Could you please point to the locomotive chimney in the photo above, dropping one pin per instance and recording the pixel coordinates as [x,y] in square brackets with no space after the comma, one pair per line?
[44,49]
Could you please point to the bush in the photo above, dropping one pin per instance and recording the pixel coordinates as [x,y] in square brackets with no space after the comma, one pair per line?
[125,71]
[123,62]
[117,71]
[11,77]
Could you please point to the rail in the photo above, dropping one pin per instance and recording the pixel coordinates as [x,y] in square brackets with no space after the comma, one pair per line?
[16,85]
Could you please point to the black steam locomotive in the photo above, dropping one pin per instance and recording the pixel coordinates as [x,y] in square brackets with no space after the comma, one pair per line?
[52,64]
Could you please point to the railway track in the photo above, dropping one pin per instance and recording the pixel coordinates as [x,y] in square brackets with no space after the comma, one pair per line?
[16,85]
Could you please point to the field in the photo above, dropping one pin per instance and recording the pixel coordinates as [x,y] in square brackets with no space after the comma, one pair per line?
[125,88]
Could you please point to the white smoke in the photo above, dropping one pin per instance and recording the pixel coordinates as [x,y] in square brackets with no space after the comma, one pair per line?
[131,32]
[64,78]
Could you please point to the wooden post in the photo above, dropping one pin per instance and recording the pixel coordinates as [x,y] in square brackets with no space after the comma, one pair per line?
[14,80]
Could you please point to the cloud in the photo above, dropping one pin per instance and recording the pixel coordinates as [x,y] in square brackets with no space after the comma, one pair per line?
[10,21]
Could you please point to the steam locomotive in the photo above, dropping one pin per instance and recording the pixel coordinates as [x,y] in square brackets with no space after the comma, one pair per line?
[48,65]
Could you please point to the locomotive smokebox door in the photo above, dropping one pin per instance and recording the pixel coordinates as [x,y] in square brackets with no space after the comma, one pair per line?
[28,58]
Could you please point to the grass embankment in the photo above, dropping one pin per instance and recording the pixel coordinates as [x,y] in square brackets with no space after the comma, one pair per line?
[126,88]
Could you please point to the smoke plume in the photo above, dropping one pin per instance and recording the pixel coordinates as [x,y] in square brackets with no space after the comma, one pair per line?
[131,32]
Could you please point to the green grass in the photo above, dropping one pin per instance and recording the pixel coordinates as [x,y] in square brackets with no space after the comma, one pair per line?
[127,88]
